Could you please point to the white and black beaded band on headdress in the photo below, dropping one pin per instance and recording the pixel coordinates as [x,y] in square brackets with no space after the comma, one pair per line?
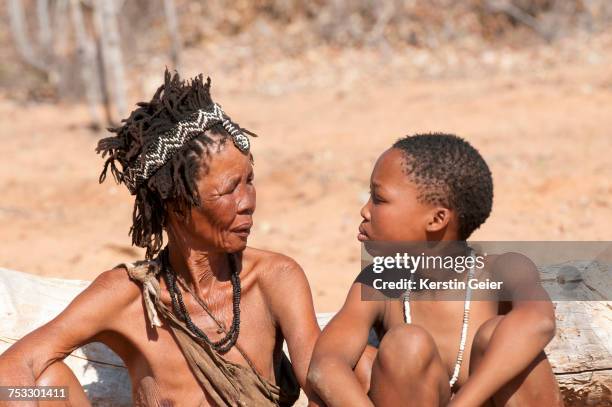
[161,150]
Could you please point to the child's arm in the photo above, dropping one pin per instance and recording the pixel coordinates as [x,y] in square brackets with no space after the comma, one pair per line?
[339,348]
[520,336]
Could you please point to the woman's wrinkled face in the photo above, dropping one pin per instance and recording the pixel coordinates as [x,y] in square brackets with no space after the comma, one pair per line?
[393,212]
[224,219]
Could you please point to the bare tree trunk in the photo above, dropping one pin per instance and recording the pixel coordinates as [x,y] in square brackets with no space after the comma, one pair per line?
[59,31]
[44,27]
[60,47]
[507,7]
[87,59]
[172,20]
[20,35]
[105,20]
[385,10]
[102,81]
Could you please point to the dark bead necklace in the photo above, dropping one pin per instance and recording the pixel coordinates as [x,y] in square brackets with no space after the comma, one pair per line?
[229,340]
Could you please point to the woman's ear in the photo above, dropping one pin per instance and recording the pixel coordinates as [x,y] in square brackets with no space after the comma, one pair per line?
[439,218]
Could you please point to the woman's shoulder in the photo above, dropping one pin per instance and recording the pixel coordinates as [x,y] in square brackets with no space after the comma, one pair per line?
[272,266]
[115,288]
[99,308]
[258,258]
[277,276]
[117,277]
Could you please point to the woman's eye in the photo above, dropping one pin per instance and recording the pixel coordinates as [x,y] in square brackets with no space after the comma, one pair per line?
[230,189]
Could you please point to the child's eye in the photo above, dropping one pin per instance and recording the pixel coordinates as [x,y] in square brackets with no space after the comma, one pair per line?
[375,198]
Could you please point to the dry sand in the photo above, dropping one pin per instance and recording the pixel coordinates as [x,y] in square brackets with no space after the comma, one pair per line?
[545,134]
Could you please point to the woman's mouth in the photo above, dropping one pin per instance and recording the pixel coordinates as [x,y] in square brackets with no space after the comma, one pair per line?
[243,230]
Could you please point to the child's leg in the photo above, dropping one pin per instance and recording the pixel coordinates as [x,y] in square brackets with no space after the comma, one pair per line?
[535,386]
[408,370]
[59,374]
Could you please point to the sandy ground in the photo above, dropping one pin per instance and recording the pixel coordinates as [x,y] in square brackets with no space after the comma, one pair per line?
[545,134]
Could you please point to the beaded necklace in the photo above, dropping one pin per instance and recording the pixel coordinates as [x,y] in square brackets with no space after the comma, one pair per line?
[229,340]
[466,318]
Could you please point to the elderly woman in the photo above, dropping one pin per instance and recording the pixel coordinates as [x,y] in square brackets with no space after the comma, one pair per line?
[202,320]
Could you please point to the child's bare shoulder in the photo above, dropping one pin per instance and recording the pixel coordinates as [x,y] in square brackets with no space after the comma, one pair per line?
[510,262]
[363,301]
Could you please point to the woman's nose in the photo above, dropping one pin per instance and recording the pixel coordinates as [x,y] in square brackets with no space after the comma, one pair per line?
[246,200]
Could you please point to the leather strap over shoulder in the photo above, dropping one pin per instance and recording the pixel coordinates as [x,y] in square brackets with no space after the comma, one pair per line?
[145,273]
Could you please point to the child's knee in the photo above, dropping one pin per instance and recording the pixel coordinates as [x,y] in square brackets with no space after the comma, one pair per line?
[484,334]
[406,345]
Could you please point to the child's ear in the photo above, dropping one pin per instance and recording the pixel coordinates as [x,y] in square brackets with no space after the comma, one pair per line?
[439,218]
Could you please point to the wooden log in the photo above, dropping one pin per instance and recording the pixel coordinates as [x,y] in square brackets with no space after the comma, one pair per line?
[581,352]
[28,301]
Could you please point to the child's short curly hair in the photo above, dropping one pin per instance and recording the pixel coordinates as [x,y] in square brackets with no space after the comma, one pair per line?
[450,172]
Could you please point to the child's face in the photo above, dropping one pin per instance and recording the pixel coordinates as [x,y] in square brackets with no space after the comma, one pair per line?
[393,212]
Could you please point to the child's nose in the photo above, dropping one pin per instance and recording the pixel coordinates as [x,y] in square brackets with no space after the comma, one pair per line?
[365,210]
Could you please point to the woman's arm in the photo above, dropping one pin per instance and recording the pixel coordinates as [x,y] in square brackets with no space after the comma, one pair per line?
[520,336]
[339,348]
[89,314]
[291,302]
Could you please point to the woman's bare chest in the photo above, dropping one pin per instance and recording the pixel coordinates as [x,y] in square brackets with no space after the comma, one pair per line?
[157,362]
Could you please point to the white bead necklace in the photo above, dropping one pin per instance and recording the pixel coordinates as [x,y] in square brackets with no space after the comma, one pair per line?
[466,318]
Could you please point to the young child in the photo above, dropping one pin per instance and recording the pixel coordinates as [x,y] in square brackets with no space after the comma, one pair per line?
[428,188]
